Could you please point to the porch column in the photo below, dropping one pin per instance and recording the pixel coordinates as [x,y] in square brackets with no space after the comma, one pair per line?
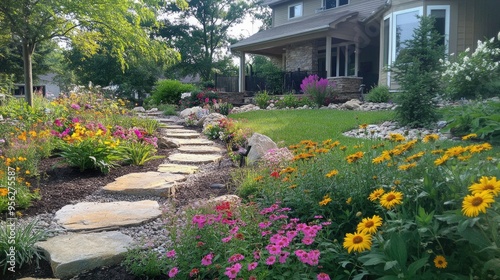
[328,62]
[241,80]
[356,63]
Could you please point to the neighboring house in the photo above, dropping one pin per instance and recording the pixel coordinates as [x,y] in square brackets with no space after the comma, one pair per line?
[351,41]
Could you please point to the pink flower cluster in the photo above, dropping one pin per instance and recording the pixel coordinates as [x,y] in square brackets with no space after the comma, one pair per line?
[276,157]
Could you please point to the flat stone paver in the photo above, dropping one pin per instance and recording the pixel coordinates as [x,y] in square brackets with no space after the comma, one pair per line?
[95,215]
[177,168]
[194,158]
[73,253]
[183,135]
[175,126]
[179,130]
[165,120]
[146,183]
[197,141]
[194,149]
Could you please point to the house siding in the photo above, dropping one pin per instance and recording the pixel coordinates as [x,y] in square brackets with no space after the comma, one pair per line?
[280,12]
[470,21]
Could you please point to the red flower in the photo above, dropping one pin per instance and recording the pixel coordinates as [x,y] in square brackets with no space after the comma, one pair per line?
[275,174]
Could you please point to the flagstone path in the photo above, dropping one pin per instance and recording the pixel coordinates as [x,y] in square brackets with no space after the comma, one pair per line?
[92,239]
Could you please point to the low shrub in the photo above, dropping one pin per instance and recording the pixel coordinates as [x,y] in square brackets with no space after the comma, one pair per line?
[168,109]
[319,89]
[22,237]
[262,99]
[481,118]
[379,94]
[169,91]
[288,101]
[473,75]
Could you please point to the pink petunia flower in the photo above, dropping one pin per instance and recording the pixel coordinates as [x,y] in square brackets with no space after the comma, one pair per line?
[307,240]
[271,260]
[233,270]
[173,272]
[235,258]
[252,266]
[323,276]
[284,257]
[171,254]
[207,260]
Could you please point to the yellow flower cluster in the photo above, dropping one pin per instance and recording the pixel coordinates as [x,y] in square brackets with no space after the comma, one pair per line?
[483,195]
[462,153]
[325,201]
[396,137]
[361,240]
[387,200]
[354,157]
[332,173]
[430,138]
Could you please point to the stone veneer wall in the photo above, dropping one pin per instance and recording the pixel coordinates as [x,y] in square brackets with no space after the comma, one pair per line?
[303,56]
[347,87]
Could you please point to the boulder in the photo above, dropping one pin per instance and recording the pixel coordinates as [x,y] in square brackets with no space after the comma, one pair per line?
[139,109]
[260,145]
[167,143]
[213,118]
[189,111]
[353,104]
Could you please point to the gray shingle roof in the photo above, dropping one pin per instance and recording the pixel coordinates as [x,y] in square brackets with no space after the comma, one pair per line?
[313,23]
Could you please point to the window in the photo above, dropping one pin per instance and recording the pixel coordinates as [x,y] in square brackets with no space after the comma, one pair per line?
[328,4]
[441,15]
[405,24]
[295,11]
[387,36]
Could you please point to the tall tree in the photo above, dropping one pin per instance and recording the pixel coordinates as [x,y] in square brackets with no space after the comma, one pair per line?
[200,33]
[85,23]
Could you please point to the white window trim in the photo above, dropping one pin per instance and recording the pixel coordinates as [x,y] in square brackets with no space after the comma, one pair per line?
[389,55]
[420,11]
[447,23]
[296,4]
[323,4]
[346,59]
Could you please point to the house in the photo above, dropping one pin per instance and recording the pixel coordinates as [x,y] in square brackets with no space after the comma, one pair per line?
[351,41]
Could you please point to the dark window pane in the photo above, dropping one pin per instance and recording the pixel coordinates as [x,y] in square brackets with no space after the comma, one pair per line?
[330,4]
[387,23]
[440,23]
[343,2]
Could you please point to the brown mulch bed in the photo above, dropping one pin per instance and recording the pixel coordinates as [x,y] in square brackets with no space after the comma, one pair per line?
[61,185]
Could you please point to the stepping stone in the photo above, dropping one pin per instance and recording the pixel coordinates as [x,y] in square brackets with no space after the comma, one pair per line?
[174,126]
[194,158]
[146,183]
[165,120]
[177,168]
[31,278]
[197,141]
[95,215]
[183,135]
[193,149]
[73,253]
[179,131]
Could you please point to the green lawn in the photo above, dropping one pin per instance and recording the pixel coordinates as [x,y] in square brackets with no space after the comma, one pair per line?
[292,126]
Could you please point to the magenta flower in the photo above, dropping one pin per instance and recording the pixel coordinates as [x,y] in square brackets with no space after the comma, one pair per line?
[323,276]
[252,266]
[233,270]
[318,217]
[75,106]
[256,255]
[227,239]
[284,257]
[264,225]
[58,123]
[200,220]
[271,260]
[173,272]
[138,133]
[291,234]
[171,254]
[235,258]
[207,260]
[234,230]
[75,120]
[273,249]
[307,240]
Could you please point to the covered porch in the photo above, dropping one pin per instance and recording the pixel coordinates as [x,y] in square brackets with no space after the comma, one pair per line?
[337,46]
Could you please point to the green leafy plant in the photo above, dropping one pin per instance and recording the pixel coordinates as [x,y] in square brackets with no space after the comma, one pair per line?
[379,94]
[417,69]
[288,101]
[480,117]
[262,99]
[144,263]
[224,108]
[169,91]
[168,109]
[138,153]
[22,238]
[90,154]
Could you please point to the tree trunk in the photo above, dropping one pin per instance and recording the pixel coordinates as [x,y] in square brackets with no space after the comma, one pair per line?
[28,73]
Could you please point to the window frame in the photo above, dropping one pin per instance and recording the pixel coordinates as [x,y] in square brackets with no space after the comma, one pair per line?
[301,4]
[393,28]
[323,4]
[446,25]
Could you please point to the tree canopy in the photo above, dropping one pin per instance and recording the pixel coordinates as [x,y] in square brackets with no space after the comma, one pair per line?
[200,33]
[123,24]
